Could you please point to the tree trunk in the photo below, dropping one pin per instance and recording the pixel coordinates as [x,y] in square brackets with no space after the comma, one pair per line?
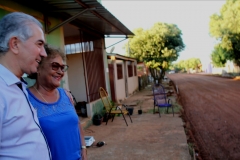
[157,75]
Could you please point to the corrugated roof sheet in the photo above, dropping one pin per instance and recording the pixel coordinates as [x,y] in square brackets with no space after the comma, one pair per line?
[99,20]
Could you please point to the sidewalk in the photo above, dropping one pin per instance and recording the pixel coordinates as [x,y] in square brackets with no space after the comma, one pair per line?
[149,137]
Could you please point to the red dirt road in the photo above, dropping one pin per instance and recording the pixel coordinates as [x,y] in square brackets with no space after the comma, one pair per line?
[212,107]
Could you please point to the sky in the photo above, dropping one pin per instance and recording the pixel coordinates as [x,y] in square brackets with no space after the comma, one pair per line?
[191,16]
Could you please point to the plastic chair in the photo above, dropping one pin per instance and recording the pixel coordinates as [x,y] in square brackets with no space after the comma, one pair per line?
[111,110]
[160,99]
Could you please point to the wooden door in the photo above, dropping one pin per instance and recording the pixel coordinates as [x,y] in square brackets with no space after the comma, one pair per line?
[111,78]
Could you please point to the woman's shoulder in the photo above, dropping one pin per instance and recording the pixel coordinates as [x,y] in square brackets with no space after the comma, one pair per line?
[63,90]
[68,94]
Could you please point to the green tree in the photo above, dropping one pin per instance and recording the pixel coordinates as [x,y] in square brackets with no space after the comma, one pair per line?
[225,28]
[181,65]
[176,67]
[158,47]
[194,63]
[219,56]
[186,65]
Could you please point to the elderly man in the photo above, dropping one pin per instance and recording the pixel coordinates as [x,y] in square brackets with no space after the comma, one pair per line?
[21,50]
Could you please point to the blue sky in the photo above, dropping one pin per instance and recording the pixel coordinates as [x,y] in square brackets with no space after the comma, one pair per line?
[191,16]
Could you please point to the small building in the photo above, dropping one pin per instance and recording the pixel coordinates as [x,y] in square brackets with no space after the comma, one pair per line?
[123,76]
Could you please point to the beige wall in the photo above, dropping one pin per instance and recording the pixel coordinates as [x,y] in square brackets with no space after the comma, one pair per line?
[120,90]
[132,84]
[76,76]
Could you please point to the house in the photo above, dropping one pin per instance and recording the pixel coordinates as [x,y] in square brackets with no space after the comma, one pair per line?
[122,75]
[78,27]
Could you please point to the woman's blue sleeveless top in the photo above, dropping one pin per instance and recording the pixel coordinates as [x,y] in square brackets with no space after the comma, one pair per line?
[59,123]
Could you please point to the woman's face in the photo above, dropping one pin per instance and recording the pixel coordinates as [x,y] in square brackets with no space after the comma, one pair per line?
[50,72]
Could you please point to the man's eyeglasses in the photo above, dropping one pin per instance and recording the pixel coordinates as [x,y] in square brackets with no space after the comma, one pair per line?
[56,66]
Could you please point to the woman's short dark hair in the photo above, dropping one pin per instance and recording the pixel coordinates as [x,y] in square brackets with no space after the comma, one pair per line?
[52,52]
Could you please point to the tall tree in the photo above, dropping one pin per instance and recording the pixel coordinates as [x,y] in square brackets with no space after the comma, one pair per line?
[194,63]
[157,47]
[219,56]
[225,28]
[191,63]
[180,64]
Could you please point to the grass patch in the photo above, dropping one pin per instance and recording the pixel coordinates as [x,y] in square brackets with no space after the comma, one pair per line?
[191,149]
[150,111]
[177,108]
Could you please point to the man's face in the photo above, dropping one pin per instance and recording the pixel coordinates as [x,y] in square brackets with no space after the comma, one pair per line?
[31,51]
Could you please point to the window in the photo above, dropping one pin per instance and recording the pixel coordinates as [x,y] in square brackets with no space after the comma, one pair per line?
[119,71]
[79,47]
[130,70]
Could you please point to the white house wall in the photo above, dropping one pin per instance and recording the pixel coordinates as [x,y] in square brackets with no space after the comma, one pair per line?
[132,84]
[76,76]
[120,90]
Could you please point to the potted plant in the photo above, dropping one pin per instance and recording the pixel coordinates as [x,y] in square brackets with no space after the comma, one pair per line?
[140,106]
[140,110]
[106,117]
[97,119]
[130,110]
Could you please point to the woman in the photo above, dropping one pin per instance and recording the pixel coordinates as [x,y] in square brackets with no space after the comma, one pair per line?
[56,112]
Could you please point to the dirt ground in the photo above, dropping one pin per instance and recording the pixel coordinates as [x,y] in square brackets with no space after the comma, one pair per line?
[149,137]
[212,114]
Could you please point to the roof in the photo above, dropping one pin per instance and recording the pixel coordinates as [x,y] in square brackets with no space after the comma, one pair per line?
[99,19]
[120,57]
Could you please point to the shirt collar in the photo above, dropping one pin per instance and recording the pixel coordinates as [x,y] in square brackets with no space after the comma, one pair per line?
[23,81]
[8,77]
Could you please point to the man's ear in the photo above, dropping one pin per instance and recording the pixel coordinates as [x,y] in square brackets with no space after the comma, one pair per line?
[13,45]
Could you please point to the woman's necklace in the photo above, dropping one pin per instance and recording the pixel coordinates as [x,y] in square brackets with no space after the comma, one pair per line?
[41,94]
